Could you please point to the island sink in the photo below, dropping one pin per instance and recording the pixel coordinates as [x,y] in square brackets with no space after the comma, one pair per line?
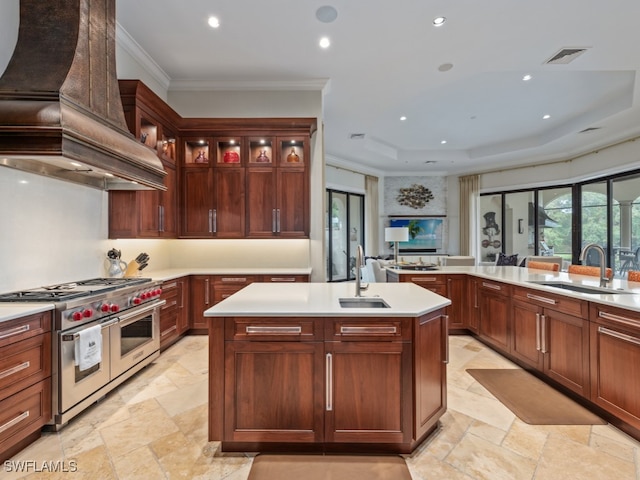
[581,288]
[363,302]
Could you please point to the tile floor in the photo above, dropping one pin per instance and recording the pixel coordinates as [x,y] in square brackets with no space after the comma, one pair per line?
[155,427]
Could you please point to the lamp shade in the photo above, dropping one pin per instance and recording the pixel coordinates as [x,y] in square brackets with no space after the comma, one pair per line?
[396,234]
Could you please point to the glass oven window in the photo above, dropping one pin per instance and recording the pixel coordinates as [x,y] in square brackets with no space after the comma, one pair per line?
[136,334]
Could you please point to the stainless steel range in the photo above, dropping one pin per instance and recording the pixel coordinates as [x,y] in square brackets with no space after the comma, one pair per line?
[126,309]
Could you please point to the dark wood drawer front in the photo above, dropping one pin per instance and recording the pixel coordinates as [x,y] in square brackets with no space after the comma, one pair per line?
[494,287]
[24,363]
[426,280]
[559,303]
[285,278]
[20,328]
[241,280]
[220,293]
[271,329]
[615,317]
[374,329]
[24,413]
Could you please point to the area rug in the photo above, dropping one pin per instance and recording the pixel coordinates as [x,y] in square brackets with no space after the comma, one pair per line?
[328,467]
[531,400]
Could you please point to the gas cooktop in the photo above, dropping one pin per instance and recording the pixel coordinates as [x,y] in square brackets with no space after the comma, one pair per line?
[71,290]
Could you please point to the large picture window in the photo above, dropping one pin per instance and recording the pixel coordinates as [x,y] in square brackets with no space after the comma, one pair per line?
[344,231]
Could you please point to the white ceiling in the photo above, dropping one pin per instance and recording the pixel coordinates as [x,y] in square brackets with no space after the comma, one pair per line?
[384,62]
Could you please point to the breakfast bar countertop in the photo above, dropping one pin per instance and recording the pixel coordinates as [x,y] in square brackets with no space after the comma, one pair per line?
[322,300]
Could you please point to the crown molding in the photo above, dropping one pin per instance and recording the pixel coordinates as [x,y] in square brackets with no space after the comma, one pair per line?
[134,49]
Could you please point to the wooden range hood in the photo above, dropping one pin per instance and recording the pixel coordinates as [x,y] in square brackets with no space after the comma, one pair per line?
[60,101]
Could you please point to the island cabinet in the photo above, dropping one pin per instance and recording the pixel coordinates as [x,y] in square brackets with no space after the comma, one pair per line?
[615,359]
[333,384]
[551,334]
[494,327]
[25,381]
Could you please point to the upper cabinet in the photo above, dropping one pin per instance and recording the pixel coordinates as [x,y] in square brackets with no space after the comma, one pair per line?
[148,213]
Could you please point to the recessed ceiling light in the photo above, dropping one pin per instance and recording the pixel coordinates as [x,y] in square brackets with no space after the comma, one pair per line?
[326,14]
[443,142]
[526,78]
[325,42]
[213,22]
[403,118]
[23,182]
[544,117]
[439,21]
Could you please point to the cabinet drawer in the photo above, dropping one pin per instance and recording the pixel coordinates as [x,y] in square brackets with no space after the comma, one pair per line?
[220,293]
[24,413]
[494,287]
[615,317]
[25,327]
[270,329]
[285,278]
[24,363]
[560,303]
[425,280]
[370,329]
[242,280]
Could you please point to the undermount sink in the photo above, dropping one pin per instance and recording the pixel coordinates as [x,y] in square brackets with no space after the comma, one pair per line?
[363,302]
[582,288]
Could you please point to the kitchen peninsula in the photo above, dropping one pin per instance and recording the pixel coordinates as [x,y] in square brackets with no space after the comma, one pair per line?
[291,369]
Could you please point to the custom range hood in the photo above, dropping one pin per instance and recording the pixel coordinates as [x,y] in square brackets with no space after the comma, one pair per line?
[60,108]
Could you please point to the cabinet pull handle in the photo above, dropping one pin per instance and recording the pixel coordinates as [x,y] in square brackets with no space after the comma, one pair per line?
[14,331]
[617,318]
[273,220]
[15,421]
[491,285]
[537,331]
[277,220]
[423,279]
[233,279]
[13,370]
[282,279]
[550,301]
[160,229]
[475,297]
[169,286]
[446,339]
[543,333]
[329,382]
[206,291]
[215,220]
[368,329]
[210,221]
[621,336]
[273,329]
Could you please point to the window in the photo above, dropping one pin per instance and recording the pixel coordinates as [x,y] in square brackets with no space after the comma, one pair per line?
[344,228]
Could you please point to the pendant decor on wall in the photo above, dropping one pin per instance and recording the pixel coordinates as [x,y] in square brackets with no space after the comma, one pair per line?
[415,196]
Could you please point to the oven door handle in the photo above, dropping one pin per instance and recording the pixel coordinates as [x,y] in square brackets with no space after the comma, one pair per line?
[71,336]
[135,315]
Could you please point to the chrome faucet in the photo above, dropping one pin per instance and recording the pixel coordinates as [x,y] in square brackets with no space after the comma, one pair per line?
[359,263]
[601,254]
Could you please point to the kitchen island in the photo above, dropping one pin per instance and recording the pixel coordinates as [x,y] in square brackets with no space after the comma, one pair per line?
[290,369]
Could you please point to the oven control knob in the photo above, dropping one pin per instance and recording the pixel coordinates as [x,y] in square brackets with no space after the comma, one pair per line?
[105,307]
[87,313]
[136,300]
[77,316]
[115,308]
[144,295]
[158,291]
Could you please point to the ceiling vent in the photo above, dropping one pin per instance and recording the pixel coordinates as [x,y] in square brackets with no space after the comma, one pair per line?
[590,129]
[357,136]
[566,55]
[430,162]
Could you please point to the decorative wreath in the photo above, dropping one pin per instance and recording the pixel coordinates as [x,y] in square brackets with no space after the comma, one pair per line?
[415,196]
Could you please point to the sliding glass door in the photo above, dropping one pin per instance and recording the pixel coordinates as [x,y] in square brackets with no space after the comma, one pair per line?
[344,228]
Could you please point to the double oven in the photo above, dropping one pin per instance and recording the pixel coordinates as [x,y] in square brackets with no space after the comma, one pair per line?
[127,311]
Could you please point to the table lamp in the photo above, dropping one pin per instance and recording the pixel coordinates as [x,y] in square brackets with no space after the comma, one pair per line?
[396,235]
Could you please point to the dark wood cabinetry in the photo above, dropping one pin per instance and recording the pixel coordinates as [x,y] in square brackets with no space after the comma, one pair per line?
[494,327]
[173,314]
[147,213]
[201,297]
[25,381]
[472,321]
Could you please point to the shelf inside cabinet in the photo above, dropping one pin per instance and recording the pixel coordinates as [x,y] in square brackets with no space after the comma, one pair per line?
[148,133]
[196,152]
[229,151]
[260,151]
[292,152]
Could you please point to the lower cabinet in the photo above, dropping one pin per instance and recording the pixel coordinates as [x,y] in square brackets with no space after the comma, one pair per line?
[615,357]
[494,327]
[201,298]
[472,319]
[173,314]
[327,384]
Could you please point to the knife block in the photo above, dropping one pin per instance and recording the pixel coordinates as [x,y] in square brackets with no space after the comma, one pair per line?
[132,269]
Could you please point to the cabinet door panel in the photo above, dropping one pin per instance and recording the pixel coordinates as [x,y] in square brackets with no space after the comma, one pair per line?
[168,200]
[261,188]
[369,392]
[293,203]
[494,324]
[148,213]
[457,293]
[229,208]
[526,331]
[197,206]
[260,403]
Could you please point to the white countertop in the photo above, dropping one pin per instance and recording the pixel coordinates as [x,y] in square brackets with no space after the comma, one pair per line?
[9,311]
[170,274]
[321,299]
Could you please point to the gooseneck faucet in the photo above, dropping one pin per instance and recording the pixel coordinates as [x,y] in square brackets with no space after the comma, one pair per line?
[359,262]
[603,267]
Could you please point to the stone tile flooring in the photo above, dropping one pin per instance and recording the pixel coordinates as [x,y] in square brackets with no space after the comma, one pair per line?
[155,427]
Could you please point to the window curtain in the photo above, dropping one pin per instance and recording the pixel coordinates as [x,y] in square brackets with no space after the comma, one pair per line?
[371,206]
[469,188]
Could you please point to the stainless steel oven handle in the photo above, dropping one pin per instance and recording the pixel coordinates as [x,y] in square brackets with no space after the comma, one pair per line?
[72,335]
[136,313]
